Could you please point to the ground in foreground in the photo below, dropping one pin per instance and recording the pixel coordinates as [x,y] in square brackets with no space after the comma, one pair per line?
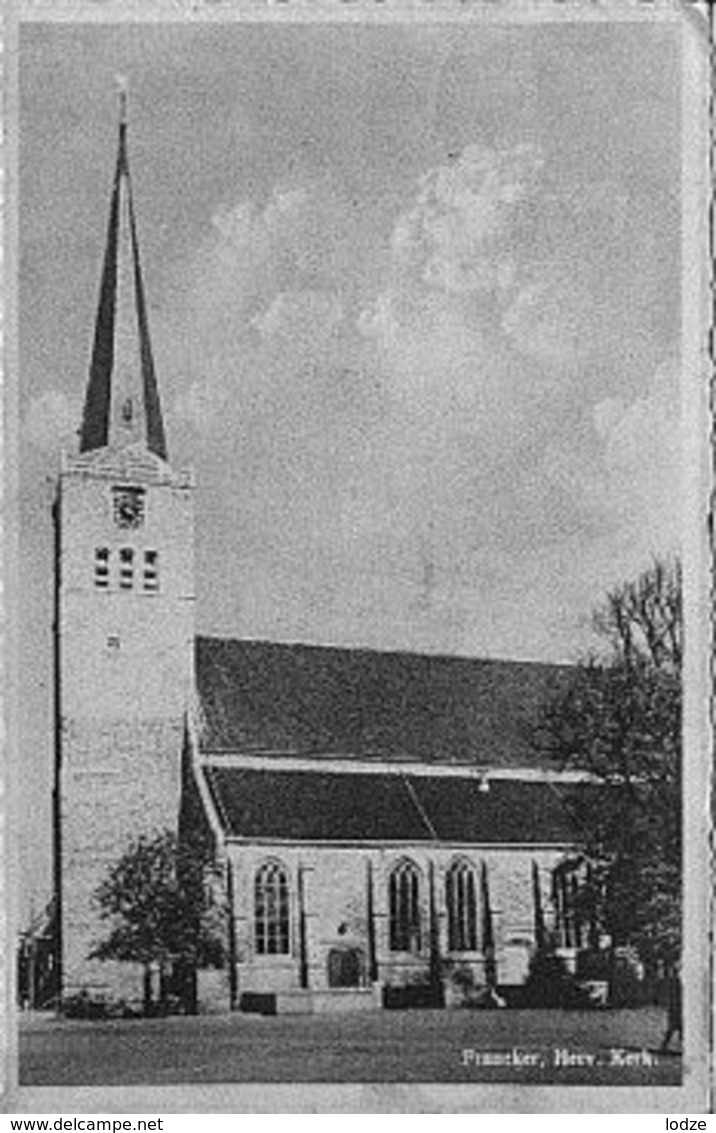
[568,1047]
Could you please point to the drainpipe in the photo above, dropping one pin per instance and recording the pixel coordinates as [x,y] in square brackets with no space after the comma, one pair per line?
[233,981]
[303,952]
[488,934]
[436,982]
[372,956]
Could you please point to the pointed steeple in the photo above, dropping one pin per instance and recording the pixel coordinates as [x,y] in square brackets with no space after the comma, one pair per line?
[122,403]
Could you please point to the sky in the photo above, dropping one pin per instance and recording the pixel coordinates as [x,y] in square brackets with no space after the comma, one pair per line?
[414,302]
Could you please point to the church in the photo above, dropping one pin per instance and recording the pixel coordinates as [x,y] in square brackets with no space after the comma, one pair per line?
[379,822]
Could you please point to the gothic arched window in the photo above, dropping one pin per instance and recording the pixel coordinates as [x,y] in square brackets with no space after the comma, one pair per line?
[461,900]
[404,894]
[271,910]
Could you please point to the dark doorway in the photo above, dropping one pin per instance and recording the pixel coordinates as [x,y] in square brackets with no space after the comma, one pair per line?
[345,967]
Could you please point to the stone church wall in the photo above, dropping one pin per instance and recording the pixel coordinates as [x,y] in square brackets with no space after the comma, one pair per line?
[335,904]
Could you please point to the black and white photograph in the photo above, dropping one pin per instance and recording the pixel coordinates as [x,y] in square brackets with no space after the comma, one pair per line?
[359,619]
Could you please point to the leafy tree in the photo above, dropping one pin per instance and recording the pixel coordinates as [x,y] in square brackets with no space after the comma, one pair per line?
[162,913]
[618,718]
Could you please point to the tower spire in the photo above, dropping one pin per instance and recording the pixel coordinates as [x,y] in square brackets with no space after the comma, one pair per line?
[122,403]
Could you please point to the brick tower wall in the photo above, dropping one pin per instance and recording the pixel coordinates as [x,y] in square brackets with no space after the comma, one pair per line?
[126,679]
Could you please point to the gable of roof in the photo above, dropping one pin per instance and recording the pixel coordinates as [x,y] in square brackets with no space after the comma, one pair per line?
[347,806]
[292,699]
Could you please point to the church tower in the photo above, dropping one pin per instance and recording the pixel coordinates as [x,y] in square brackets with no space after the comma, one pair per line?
[124,619]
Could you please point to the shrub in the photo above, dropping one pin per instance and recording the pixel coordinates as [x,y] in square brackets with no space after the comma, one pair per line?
[550,984]
[84,1006]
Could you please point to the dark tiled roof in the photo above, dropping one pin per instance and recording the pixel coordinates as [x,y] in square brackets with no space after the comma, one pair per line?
[268,697]
[385,807]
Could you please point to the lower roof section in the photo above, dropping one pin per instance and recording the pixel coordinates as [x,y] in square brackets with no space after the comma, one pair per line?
[320,806]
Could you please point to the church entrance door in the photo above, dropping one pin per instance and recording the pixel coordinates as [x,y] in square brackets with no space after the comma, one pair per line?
[345,967]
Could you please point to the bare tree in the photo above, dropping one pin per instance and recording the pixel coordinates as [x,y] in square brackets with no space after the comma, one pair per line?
[642,621]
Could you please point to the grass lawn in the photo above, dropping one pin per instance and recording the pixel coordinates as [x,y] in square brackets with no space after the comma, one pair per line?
[570,1047]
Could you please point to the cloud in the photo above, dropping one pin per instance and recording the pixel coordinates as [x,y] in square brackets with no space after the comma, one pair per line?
[236,264]
[300,317]
[51,421]
[510,286]
[453,235]
[620,483]
[469,430]
[587,290]
[561,271]
[411,449]
[459,256]
[432,355]
[245,299]
[642,458]
[265,364]
[552,320]
[248,251]
[263,297]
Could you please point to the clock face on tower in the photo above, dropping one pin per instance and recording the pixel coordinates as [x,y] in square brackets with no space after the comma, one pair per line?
[128,507]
